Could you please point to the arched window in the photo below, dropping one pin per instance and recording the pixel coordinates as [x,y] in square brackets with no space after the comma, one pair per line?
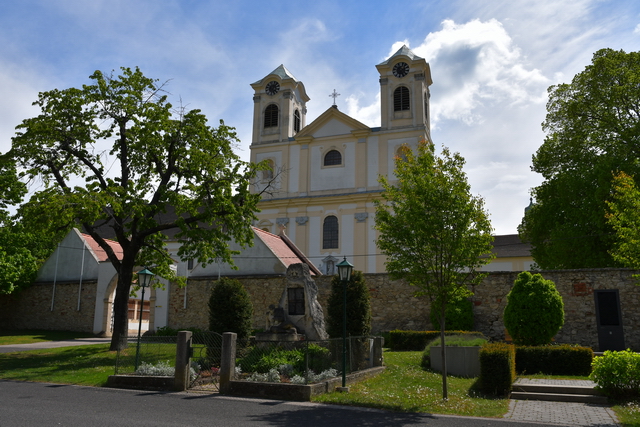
[402,151]
[330,233]
[401,99]
[333,157]
[296,121]
[271,116]
[267,174]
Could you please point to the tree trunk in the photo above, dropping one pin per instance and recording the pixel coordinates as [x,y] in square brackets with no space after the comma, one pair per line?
[121,309]
[443,353]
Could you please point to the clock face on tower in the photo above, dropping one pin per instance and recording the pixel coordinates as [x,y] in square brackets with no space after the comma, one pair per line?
[401,69]
[272,87]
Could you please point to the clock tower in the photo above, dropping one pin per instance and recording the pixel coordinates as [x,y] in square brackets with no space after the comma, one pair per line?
[279,107]
[404,91]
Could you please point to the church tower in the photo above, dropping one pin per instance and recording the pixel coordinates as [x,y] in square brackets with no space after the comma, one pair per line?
[279,107]
[404,91]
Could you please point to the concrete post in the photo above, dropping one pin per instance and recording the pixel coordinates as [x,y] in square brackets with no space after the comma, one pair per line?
[183,361]
[378,359]
[228,361]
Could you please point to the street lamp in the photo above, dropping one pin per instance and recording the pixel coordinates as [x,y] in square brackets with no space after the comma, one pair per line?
[344,272]
[144,279]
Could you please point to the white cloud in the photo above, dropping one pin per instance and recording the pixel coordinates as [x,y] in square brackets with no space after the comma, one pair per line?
[476,66]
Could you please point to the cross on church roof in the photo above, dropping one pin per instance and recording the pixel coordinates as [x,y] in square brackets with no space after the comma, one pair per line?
[334,95]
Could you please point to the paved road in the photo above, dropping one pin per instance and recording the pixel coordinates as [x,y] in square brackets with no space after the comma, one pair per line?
[41,404]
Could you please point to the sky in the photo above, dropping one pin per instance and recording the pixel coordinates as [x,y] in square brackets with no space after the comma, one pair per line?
[491,64]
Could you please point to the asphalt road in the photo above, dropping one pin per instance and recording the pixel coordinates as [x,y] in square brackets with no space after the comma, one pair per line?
[41,404]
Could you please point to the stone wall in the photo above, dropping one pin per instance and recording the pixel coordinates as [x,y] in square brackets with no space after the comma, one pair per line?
[392,302]
[394,307]
[31,308]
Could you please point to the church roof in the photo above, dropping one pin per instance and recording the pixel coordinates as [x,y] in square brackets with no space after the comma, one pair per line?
[100,253]
[510,245]
[403,51]
[331,113]
[281,72]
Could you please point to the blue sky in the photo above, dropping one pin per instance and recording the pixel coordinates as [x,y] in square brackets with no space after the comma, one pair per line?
[491,63]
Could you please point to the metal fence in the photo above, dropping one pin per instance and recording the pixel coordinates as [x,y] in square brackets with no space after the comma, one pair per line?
[150,356]
[301,362]
[205,360]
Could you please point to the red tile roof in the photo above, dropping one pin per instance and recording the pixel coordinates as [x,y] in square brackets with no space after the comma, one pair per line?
[284,249]
[100,253]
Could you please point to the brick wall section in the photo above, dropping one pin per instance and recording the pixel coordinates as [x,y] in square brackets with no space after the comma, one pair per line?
[31,309]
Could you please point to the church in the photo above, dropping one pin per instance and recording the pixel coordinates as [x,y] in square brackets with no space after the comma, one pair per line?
[324,176]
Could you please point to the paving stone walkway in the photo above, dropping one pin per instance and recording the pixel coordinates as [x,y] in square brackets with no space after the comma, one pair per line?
[561,413]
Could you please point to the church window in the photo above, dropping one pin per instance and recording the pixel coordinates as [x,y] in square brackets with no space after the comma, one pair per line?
[333,158]
[330,233]
[402,151]
[271,116]
[296,301]
[296,121]
[401,99]
[267,174]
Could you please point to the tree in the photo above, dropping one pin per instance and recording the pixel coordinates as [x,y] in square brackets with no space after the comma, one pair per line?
[593,129]
[230,309]
[458,315]
[535,312]
[358,307]
[434,233]
[624,216]
[115,155]
[23,247]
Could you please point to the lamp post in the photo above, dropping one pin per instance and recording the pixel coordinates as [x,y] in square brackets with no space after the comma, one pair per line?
[144,278]
[344,272]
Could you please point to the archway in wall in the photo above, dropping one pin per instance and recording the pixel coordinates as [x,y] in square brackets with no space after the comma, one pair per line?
[148,316]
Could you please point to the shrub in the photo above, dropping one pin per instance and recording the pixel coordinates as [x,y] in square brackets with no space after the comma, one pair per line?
[497,368]
[617,374]
[358,307]
[230,309]
[554,360]
[458,315]
[417,340]
[262,360]
[534,313]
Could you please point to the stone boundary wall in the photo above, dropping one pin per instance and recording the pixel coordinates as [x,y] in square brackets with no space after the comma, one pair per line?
[31,308]
[394,306]
[392,302]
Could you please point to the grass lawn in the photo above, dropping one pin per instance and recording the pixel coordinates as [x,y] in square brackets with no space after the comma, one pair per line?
[84,365]
[33,336]
[405,386]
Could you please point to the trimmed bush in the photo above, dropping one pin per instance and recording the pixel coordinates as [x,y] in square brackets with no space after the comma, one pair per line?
[535,312]
[418,340]
[230,309]
[458,314]
[358,307]
[554,360]
[497,368]
[617,374]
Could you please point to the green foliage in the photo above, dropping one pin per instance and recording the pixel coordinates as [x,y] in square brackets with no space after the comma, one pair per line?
[591,131]
[497,368]
[230,309]
[147,169]
[417,340]
[262,360]
[358,307]
[457,340]
[617,374]
[458,314]
[624,216]
[535,312]
[432,230]
[554,360]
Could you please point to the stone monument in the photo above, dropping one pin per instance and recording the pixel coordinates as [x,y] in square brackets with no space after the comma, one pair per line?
[298,313]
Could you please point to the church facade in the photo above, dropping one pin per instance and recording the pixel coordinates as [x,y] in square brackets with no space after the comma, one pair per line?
[324,177]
